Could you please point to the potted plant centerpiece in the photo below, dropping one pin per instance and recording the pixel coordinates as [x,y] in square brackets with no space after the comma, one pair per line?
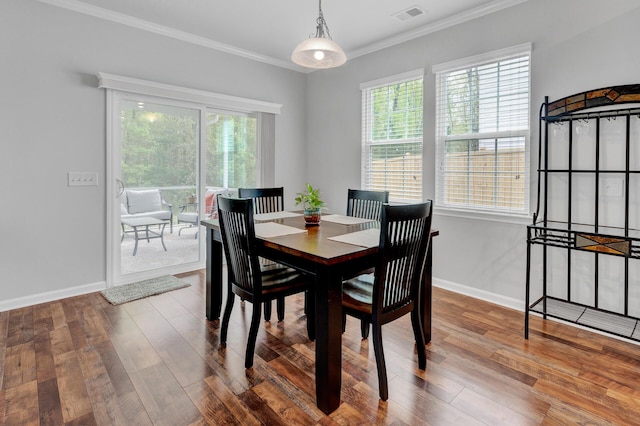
[311,203]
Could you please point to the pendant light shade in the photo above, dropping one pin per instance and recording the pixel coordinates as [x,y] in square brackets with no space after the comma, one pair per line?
[320,51]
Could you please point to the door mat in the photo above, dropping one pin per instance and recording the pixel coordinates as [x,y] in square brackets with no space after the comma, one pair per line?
[141,289]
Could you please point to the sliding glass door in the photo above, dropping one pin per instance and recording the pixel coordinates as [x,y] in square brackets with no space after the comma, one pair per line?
[163,189]
[170,152]
[231,151]
[157,155]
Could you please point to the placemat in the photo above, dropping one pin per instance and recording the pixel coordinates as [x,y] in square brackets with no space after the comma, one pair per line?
[272,229]
[344,220]
[367,238]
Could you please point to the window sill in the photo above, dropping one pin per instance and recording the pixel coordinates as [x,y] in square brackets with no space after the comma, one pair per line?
[513,218]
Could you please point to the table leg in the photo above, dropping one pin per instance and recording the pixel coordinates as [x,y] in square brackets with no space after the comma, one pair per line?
[213,277]
[328,340]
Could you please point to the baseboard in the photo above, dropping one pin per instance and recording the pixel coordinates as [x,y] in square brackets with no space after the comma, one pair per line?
[516,304]
[49,296]
[487,296]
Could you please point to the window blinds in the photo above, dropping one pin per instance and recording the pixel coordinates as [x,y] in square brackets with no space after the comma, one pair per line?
[482,134]
[392,136]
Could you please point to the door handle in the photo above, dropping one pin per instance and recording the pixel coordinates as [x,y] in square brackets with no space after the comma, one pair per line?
[120,188]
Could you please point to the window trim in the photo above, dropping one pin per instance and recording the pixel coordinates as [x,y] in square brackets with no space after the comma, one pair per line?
[439,70]
[366,88]
[169,91]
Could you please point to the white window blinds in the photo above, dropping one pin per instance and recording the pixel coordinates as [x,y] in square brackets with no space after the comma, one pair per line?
[392,136]
[482,132]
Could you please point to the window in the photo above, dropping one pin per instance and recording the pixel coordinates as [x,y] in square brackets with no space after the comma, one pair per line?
[392,136]
[482,132]
[231,150]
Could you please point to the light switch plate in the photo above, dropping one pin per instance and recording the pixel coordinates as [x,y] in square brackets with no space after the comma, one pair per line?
[82,178]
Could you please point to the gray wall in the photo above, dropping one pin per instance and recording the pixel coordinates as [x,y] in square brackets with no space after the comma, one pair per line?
[52,120]
[577,45]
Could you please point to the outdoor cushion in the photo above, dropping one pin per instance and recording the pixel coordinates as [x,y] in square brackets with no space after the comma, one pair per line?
[143,201]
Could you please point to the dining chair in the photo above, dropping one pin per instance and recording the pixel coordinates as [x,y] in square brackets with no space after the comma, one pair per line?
[366,204]
[248,278]
[266,200]
[392,291]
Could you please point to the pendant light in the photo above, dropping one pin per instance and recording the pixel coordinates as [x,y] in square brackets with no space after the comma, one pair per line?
[319,51]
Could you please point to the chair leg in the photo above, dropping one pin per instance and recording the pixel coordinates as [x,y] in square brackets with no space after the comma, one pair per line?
[280,308]
[380,363]
[364,329]
[253,335]
[225,318]
[267,310]
[310,304]
[416,322]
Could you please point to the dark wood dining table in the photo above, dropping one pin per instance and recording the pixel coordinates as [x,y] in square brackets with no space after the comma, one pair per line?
[329,261]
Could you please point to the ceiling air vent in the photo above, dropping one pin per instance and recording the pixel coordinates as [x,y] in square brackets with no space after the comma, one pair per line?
[407,14]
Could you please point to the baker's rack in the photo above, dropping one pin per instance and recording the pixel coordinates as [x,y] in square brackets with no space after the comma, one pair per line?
[594,236]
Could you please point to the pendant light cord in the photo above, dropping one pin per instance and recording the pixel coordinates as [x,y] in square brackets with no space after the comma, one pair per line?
[322,25]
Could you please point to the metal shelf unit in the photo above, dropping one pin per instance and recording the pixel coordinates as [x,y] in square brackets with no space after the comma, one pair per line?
[595,236]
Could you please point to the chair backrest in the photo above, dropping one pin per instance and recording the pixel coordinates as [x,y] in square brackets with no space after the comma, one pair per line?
[366,204]
[265,200]
[143,200]
[238,238]
[405,234]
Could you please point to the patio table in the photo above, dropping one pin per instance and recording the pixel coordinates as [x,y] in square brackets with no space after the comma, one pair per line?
[144,222]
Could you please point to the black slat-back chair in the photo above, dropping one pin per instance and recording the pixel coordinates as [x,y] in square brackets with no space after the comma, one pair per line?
[366,205]
[266,200]
[249,279]
[393,291]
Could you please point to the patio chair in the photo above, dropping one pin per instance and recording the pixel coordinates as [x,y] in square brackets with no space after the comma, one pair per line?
[210,210]
[135,203]
[188,217]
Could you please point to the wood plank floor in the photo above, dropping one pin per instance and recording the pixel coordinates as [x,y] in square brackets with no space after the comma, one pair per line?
[82,361]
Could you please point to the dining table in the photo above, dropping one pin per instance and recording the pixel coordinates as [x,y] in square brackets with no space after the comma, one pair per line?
[340,246]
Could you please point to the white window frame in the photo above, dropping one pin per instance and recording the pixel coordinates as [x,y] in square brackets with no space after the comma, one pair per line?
[367,142]
[485,212]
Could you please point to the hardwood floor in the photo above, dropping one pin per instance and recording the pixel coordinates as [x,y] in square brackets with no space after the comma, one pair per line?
[82,361]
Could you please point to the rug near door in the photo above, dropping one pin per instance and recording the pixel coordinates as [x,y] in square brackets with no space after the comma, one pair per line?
[141,289]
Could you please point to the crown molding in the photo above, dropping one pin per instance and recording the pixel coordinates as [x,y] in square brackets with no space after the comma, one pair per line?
[460,18]
[141,24]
